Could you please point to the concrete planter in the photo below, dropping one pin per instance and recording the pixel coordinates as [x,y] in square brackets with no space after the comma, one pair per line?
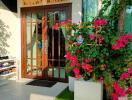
[71,83]
[86,90]
[122,98]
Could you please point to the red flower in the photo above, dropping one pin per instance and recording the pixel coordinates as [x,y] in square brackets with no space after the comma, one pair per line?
[114,96]
[130,71]
[77,44]
[74,61]
[124,76]
[119,90]
[83,65]
[68,55]
[89,68]
[129,90]
[100,79]
[92,36]
[77,64]
[77,73]
[115,47]
[87,61]
[122,41]
[56,26]
[98,23]
[103,67]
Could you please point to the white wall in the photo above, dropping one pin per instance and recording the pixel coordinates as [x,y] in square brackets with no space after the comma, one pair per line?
[12,20]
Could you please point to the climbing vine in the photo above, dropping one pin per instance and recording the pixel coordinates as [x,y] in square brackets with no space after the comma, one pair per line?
[113,8]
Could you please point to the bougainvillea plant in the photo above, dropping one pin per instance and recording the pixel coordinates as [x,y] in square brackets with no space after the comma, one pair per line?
[95,52]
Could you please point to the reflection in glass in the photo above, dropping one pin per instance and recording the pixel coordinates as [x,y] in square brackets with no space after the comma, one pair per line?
[53,58]
[28,40]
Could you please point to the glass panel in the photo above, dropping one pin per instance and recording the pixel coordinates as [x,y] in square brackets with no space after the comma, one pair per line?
[56,72]
[34,40]
[54,17]
[39,45]
[62,15]
[34,62]
[28,62]
[29,70]
[89,9]
[34,17]
[28,17]
[28,40]
[62,73]
[50,18]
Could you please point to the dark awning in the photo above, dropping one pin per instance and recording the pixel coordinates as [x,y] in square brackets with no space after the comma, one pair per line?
[11,4]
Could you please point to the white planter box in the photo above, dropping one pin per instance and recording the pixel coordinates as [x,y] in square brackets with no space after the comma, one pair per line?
[85,90]
[71,83]
[122,98]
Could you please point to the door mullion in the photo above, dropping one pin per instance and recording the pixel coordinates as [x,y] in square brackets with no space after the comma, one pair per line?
[59,53]
[37,45]
[52,52]
[31,56]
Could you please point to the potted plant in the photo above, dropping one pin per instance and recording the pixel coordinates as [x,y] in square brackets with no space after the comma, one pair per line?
[96,53]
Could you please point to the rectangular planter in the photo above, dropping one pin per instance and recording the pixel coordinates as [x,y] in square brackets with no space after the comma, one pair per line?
[85,90]
[71,83]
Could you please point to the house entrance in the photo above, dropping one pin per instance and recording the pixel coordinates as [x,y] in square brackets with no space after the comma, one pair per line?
[43,47]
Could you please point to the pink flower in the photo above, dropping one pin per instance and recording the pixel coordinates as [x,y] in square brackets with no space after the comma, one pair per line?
[98,23]
[114,96]
[68,55]
[119,90]
[77,64]
[83,65]
[56,26]
[77,73]
[124,76]
[129,90]
[92,36]
[73,58]
[76,70]
[87,61]
[122,42]
[89,68]
[115,47]
[130,71]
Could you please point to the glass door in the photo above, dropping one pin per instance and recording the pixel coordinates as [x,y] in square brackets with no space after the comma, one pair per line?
[56,44]
[32,44]
[43,47]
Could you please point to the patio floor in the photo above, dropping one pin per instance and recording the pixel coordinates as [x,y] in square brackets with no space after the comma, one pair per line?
[11,90]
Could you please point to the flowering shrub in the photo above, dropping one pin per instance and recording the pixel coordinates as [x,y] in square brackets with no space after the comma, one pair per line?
[123,86]
[95,52]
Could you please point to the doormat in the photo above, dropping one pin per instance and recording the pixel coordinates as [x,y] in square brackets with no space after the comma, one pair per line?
[42,83]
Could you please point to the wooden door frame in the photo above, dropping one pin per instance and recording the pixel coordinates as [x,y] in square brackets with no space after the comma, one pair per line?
[23,31]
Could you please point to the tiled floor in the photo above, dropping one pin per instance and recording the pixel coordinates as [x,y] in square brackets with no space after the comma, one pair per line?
[11,90]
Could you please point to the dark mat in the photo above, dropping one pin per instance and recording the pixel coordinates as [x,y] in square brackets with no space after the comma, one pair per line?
[42,83]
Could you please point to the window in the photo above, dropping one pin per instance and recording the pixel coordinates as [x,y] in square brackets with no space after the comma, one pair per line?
[90,9]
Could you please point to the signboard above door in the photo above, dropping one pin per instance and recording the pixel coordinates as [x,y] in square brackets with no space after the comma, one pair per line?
[30,3]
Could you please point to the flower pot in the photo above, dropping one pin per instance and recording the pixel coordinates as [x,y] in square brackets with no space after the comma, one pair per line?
[71,83]
[123,98]
[86,90]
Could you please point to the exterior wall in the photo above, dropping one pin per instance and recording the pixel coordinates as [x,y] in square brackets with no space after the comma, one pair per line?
[12,21]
